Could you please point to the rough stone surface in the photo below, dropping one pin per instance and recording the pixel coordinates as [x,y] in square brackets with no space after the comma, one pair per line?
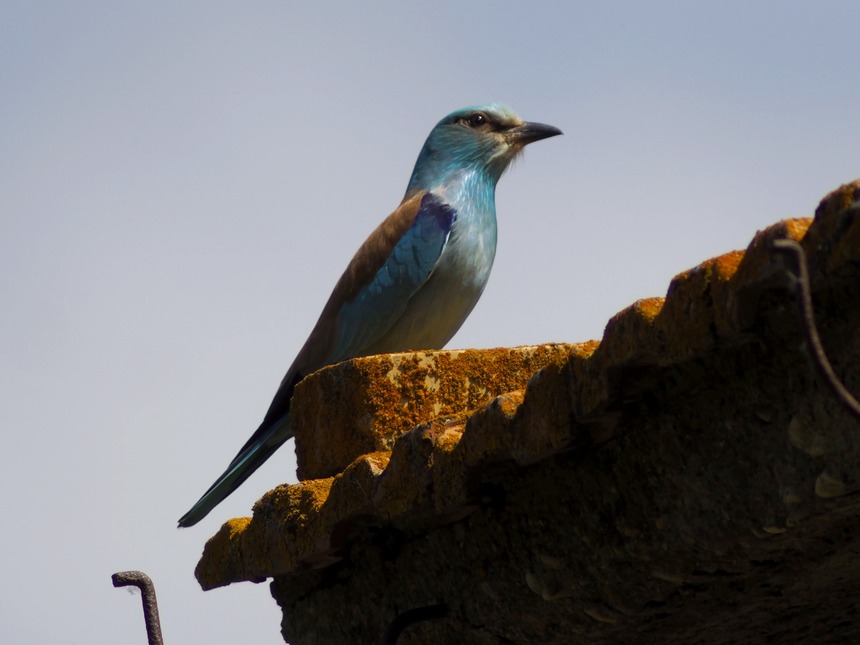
[689,479]
[363,405]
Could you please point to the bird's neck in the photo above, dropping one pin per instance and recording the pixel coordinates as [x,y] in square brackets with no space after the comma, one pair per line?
[465,189]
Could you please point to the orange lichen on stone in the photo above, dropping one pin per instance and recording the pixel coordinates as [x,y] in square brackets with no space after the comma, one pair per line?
[284,531]
[222,555]
[487,437]
[381,397]
[696,304]
[626,329]
[726,265]
[761,269]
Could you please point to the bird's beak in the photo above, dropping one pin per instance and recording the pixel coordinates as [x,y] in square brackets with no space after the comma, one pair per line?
[531,132]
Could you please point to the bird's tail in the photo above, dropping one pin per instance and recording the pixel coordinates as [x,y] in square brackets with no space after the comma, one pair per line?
[262,444]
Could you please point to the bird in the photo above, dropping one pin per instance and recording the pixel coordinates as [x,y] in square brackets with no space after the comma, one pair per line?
[415,279]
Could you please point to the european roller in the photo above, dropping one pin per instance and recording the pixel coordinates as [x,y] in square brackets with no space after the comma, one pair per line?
[415,279]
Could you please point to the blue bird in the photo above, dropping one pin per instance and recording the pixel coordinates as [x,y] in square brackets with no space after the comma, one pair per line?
[415,279]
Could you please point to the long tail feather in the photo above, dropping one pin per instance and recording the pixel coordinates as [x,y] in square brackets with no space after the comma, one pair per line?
[260,447]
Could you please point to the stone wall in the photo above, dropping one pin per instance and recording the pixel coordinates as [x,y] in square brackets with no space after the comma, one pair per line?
[690,478]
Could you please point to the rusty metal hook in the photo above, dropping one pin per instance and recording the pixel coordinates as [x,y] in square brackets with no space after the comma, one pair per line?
[147,594]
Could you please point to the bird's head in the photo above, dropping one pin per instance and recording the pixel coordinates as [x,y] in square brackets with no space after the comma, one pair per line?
[481,138]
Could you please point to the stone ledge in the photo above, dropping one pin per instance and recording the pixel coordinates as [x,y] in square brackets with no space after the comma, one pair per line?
[725,452]
[363,405]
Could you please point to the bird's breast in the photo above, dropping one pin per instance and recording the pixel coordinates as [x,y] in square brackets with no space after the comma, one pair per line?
[437,310]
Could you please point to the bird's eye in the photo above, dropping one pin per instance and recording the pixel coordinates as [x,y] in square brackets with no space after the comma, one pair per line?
[476,120]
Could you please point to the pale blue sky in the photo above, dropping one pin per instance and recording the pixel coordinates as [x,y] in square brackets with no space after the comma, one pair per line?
[181,184]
